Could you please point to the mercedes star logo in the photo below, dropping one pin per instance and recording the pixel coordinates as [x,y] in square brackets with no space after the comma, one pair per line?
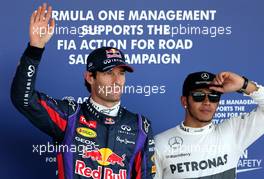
[205,76]
[175,142]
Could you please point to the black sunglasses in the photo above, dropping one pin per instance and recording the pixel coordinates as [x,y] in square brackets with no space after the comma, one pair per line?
[199,96]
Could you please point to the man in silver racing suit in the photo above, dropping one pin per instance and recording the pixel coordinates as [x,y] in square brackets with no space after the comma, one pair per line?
[197,148]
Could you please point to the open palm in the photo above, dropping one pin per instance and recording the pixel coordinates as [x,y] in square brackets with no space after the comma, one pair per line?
[41,26]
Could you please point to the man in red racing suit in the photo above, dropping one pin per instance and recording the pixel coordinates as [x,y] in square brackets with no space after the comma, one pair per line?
[111,141]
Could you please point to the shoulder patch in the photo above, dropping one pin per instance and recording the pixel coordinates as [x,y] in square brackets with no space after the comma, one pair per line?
[71,102]
[146,125]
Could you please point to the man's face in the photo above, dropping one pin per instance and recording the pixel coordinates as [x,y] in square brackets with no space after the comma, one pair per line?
[202,104]
[108,86]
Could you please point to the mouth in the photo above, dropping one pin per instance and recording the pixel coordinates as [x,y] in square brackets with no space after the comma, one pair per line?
[205,110]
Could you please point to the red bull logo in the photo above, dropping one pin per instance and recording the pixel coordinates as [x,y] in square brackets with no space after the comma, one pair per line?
[83,170]
[105,156]
[113,53]
[115,159]
[109,121]
[93,154]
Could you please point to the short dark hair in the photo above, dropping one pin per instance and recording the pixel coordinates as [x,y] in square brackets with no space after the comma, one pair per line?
[88,86]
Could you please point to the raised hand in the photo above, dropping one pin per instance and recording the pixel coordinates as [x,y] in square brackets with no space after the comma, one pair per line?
[228,82]
[41,26]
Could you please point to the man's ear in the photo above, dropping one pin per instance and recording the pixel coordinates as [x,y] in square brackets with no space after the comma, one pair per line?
[88,76]
[184,101]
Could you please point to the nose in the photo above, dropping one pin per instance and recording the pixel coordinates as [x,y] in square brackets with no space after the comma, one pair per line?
[206,100]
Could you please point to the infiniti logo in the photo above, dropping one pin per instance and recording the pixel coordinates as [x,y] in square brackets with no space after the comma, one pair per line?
[126,128]
[31,70]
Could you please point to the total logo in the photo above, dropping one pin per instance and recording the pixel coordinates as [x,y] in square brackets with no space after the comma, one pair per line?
[90,124]
[86,132]
[82,169]
[104,157]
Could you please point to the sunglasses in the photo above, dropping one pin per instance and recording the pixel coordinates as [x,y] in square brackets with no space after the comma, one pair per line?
[199,96]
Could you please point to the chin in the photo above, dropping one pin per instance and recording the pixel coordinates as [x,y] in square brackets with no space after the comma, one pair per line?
[207,117]
[206,120]
[114,98]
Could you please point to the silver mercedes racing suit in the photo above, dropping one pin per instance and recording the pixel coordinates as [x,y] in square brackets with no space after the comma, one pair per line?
[211,152]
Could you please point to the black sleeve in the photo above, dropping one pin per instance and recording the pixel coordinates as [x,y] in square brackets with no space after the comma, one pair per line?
[47,114]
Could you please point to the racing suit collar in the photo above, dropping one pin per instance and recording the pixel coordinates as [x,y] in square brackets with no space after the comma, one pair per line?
[200,130]
[89,110]
[113,111]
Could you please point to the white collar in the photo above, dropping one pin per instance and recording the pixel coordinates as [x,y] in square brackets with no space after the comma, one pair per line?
[200,130]
[113,111]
